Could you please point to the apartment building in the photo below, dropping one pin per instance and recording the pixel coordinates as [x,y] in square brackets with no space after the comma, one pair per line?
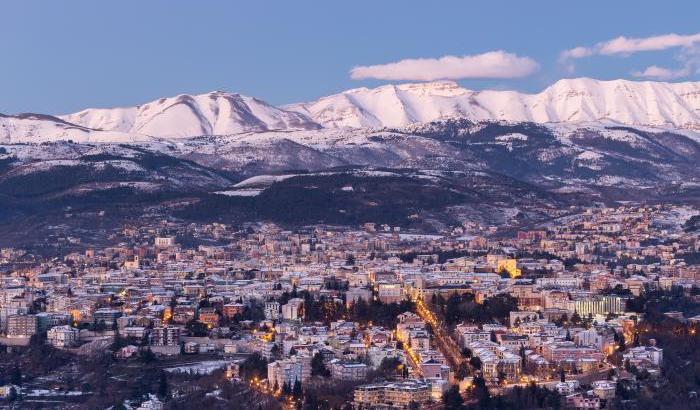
[395,395]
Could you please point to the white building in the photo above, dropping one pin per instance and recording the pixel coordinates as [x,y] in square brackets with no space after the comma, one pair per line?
[62,336]
[293,310]
[165,241]
[272,310]
[288,371]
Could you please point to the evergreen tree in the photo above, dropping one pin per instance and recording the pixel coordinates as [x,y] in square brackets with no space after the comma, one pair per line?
[16,375]
[310,401]
[452,400]
[575,318]
[318,368]
[350,260]
[147,356]
[621,342]
[475,362]
[296,390]
[163,390]
[481,392]
[12,395]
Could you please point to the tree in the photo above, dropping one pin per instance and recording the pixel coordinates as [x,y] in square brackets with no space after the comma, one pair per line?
[318,367]
[350,260]
[462,371]
[475,362]
[197,329]
[389,366]
[16,375]
[163,390]
[296,390]
[12,396]
[147,356]
[575,318]
[310,401]
[621,342]
[451,399]
[481,392]
[254,366]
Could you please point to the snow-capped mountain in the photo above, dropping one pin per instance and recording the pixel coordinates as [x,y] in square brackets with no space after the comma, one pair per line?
[23,128]
[215,113]
[673,105]
[575,101]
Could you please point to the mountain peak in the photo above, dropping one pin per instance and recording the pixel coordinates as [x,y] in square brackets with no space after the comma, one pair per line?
[570,100]
[674,105]
[187,115]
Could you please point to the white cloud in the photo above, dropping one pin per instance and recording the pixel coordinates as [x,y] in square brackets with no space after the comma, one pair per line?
[690,64]
[661,73]
[493,64]
[576,52]
[626,46]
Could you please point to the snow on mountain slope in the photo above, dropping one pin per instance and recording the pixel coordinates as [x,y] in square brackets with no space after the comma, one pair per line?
[215,113]
[674,105]
[573,101]
[39,128]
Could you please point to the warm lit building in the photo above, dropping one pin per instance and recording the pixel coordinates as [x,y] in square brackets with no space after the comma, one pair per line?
[394,395]
[348,370]
[230,310]
[209,316]
[509,266]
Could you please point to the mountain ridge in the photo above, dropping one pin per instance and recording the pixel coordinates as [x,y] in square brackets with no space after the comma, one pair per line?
[580,100]
[635,103]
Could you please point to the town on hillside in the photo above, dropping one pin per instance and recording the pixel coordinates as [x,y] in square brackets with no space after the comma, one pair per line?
[595,309]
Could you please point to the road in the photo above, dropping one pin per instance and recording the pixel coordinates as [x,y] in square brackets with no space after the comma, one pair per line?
[445,343]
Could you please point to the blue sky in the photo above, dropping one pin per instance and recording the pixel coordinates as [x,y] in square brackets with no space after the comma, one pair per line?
[62,56]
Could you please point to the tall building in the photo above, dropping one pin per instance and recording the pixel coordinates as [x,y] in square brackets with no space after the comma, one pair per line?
[21,325]
[166,336]
[293,310]
[598,305]
[289,371]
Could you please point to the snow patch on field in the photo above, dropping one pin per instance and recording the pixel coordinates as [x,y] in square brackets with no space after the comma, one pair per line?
[201,368]
[589,156]
[263,180]
[512,137]
[249,192]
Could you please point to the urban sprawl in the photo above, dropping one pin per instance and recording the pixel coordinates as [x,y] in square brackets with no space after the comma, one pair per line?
[579,313]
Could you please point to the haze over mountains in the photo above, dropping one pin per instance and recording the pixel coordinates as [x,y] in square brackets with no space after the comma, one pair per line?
[656,104]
